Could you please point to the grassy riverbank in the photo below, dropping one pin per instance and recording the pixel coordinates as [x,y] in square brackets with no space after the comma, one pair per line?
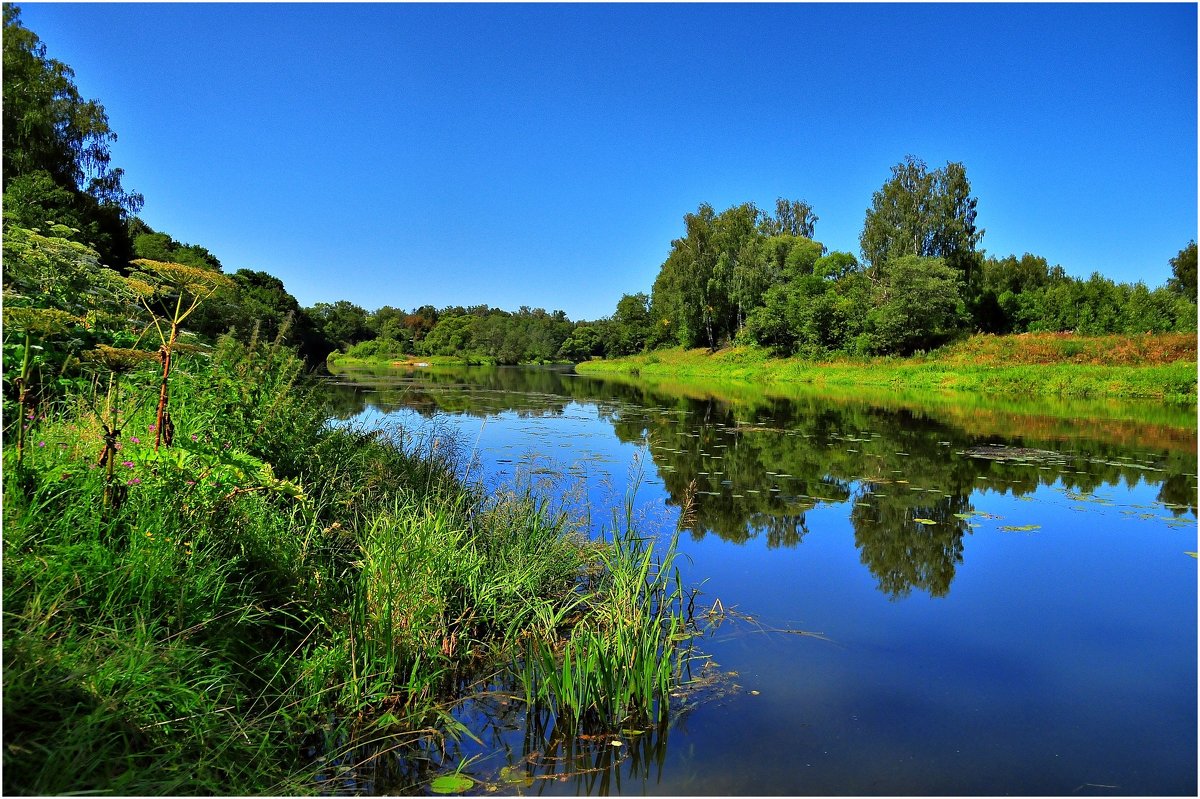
[214,614]
[338,361]
[1043,365]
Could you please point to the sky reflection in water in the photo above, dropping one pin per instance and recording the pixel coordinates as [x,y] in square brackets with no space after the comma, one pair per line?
[994,621]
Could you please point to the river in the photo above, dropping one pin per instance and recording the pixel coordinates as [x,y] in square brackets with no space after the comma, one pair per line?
[927,594]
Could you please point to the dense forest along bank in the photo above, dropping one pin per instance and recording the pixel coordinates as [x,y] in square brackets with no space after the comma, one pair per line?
[924,593]
[1158,366]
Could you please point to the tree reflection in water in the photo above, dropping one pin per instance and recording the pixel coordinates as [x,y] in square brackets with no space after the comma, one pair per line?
[760,464]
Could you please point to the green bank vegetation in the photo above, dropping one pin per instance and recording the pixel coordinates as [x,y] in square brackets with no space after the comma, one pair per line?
[233,576]
[1161,367]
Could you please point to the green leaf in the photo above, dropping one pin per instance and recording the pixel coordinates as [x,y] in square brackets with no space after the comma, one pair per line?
[451,783]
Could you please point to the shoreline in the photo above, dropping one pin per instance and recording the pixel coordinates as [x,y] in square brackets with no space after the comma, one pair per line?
[1049,365]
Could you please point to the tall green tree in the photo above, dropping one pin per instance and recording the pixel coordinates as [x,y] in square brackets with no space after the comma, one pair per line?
[1183,272]
[343,323]
[923,214]
[56,159]
[630,324]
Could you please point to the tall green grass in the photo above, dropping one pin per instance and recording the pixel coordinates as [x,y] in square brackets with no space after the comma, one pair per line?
[617,665]
[272,580]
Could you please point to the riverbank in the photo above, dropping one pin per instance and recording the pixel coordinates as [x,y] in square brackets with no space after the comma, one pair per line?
[337,361]
[1159,367]
[340,360]
[236,613]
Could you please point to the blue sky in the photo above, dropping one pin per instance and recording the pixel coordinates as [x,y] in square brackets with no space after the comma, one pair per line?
[544,155]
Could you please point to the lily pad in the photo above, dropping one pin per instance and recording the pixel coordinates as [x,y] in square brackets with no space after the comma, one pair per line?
[1020,528]
[451,783]
[924,521]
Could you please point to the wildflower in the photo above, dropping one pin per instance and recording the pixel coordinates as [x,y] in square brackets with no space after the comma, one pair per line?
[153,427]
[135,439]
[132,482]
[191,482]
[41,443]
[127,464]
[194,437]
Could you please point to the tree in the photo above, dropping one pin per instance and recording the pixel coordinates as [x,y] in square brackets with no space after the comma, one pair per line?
[630,324]
[917,306]
[792,218]
[56,159]
[1183,272]
[923,214]
[343,323]
[583,343]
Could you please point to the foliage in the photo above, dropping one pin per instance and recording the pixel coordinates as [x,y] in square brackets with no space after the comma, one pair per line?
[917,306]
[57,164]
[265,574]
[1183,272]
[923,214]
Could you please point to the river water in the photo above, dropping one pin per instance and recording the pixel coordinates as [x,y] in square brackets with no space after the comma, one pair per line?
[925,594]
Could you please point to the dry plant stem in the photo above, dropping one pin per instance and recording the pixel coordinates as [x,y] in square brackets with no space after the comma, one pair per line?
[165,354]
[22,399]
[109,455]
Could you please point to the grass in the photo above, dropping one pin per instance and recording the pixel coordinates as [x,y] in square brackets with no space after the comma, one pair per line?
[272,584]
[617,667]
[1156,366]
[340,360]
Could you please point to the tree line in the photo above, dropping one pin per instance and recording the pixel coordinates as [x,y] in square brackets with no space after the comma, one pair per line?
[752,277]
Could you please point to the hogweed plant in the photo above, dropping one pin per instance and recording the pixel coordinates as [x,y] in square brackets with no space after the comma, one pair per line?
[156,287]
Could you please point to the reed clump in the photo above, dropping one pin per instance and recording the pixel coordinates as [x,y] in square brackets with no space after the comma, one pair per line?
[615,665]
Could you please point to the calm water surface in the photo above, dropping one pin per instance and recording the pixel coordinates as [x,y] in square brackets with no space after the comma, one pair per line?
[1003,592]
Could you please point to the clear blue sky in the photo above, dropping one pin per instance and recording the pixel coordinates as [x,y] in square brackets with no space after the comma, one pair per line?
[544,155]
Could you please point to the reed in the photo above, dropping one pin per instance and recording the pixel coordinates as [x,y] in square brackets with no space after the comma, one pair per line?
[617,664]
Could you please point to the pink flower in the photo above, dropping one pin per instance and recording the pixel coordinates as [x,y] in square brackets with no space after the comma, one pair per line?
[127,464]
[153,428]
[132,482]
[41,443]
[135,439]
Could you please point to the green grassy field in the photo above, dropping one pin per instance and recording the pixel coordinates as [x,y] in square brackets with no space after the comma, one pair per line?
[1159,367]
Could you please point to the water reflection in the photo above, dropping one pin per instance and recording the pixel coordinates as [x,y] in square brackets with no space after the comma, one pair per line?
[750,465]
